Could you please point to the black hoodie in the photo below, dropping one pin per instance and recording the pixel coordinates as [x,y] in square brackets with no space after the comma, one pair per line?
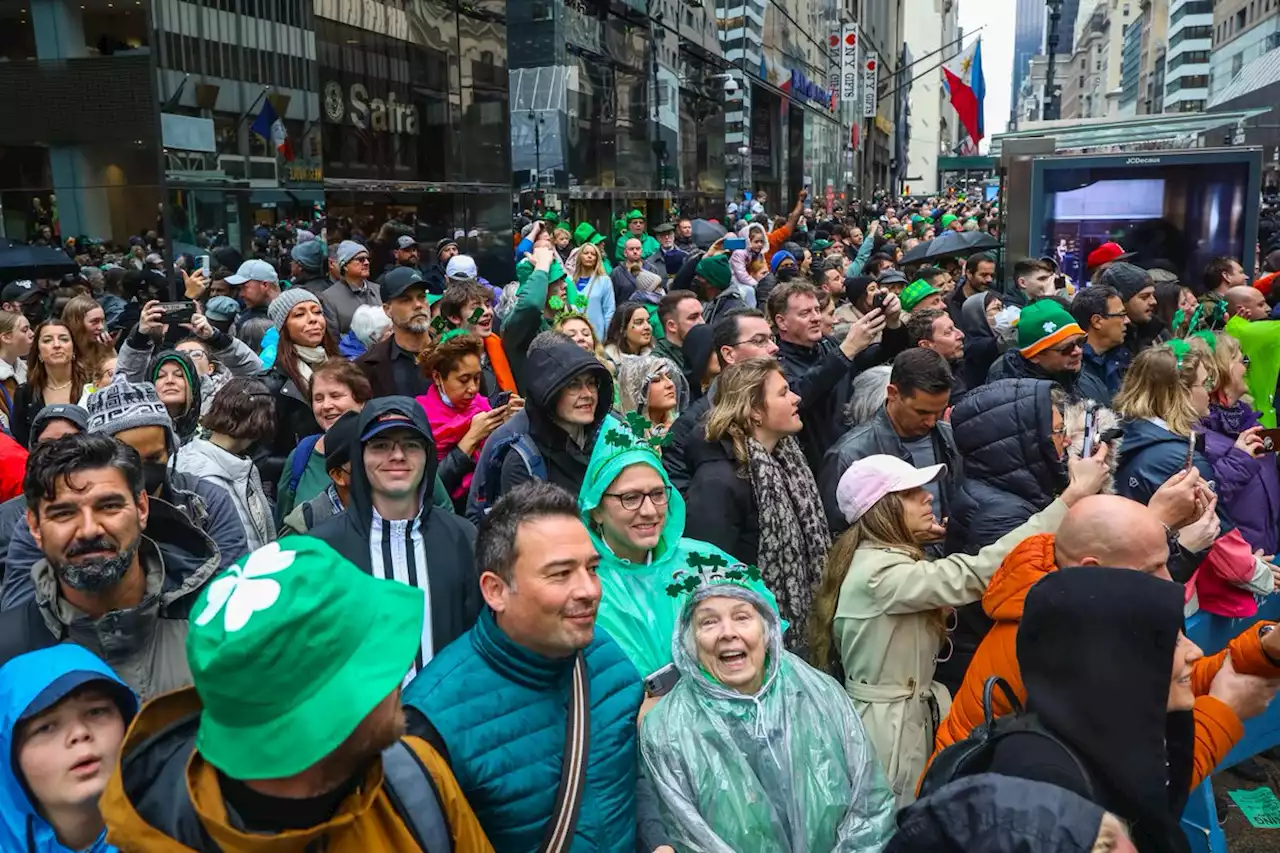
[1095,647]
[447,540]
[549,368]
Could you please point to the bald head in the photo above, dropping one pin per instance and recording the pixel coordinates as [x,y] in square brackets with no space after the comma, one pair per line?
[1108,530]
[1247,302]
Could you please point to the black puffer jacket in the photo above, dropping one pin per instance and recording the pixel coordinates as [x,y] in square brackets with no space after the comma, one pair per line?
[1011,472]
[675,456]
[1013,365]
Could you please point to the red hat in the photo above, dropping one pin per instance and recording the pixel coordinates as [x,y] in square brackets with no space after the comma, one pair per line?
[1107,253]
[1264,283]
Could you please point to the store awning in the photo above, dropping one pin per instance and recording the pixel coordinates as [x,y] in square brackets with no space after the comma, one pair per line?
[1261,72]
[1167,129]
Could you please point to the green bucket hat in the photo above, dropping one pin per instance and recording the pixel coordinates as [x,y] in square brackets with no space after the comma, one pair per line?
[586,232]
[947,219]
[820,245]
[287,667]
[636,213]
[915,293]
[552,217]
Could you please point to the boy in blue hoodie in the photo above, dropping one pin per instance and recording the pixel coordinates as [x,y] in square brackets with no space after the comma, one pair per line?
[63,715]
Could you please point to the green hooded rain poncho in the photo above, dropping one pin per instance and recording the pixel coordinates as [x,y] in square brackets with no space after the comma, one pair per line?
[788,769]
[635,609]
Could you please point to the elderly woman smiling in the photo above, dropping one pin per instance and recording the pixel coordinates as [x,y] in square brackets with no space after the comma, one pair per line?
[753,749]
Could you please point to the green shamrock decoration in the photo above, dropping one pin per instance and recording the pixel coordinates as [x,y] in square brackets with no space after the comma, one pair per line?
[475,317]
[638,423]
[618,440]
[556,303]
[439,325]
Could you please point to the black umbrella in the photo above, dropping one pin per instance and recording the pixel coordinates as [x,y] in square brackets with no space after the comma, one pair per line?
[948,245]
[20,260]
[705,233]
[979,241]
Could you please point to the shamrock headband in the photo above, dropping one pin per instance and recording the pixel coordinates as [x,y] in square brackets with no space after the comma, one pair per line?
[633,435]
[705,570]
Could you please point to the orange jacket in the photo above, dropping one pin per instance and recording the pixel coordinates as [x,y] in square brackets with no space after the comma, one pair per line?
[1217,727]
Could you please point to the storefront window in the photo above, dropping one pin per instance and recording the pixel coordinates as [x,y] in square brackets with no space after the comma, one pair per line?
[49,30]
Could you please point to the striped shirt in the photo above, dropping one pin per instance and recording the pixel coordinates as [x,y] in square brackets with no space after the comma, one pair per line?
[397,553]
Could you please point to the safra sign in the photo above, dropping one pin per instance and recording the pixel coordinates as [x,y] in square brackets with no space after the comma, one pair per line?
[375,114]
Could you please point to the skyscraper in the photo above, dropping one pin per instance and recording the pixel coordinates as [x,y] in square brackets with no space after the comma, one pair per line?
[1028,39]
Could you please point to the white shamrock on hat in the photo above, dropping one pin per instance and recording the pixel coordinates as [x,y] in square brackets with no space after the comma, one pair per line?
[1050,326]
[243,591]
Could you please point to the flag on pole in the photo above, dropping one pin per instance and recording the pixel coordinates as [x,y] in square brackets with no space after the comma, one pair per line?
[967,88]
[270,127]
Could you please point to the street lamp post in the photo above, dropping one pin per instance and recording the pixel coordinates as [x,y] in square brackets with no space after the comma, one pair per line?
[1051,42]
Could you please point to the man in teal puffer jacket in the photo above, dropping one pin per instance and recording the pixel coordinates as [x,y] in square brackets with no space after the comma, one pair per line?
[498,696]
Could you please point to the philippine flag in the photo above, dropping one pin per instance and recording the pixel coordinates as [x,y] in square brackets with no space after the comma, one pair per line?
[270,127]
[967,88]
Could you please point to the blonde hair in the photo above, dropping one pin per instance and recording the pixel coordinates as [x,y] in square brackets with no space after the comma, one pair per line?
[739,395]
[1222,356]
[578,268]
[883,524]
[596,347]
[1159,386]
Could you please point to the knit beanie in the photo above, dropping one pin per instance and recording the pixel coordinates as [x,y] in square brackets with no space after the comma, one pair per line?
[125,405]
[347,250]
[715,270]
[309,255]
[278,310]
[1044,324]
[778,258]
[1128,280]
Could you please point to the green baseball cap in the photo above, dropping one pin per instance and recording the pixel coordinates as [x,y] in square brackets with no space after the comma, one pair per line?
[290,649]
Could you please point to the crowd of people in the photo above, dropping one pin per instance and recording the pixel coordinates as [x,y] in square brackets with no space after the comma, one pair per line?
[693,537]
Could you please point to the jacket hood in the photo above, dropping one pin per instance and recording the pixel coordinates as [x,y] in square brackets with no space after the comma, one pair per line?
[47,676]
[684,649]
[185,424]
[1095,646]
[16,372]
[636,374]
[203,459]
[1003,431]
[360,495]
[550,367]
[745,232]
[998,814]
[1026,564]
[617,449]
[973,316]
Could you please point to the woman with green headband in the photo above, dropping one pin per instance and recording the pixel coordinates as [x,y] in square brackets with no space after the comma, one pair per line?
[753,749]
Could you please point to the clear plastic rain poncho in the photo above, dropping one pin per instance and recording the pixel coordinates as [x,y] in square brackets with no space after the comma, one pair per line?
[789,769]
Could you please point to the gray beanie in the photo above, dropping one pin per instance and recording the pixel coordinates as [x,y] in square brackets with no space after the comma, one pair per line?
[125,405]
[347,250]
[280,307]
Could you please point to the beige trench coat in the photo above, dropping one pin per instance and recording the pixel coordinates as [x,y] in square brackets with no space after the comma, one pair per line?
[887,631]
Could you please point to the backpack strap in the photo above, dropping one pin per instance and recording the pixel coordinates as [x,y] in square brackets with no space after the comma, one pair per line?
[1009,696]
[413,795]
[301,456]
[532,458]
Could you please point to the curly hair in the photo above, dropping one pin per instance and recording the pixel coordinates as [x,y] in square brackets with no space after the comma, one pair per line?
[444,356]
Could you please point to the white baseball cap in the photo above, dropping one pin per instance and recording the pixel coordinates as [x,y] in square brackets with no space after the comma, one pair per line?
[461,266]
[870,480]
[254,271]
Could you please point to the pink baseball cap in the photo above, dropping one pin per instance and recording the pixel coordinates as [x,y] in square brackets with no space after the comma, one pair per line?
[869,480]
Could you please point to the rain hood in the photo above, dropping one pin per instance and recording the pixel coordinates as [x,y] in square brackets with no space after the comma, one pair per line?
[22,680]
[635,609]
[788,769]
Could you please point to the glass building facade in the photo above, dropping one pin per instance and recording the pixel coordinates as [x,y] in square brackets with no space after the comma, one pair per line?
[441,116]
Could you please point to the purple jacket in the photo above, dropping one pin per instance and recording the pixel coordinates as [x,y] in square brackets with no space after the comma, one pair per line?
[1248,487]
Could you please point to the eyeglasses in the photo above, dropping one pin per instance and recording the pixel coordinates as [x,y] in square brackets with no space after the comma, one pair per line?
[1244,359]
[406,445]
[757,341]
[1060,432]
[631,501]
[1114,315]
[359,260]
[583,383]
[197,354]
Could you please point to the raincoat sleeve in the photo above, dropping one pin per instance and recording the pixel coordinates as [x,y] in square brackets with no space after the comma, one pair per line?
[134,355]
[673,780]
[868,824]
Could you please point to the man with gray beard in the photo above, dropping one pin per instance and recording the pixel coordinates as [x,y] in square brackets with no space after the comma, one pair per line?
[392,365]
[102,583]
